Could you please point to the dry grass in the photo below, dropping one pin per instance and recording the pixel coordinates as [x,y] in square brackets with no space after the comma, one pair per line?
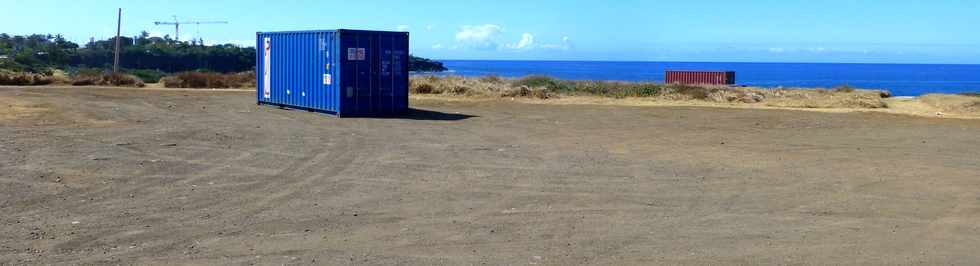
[474,87]
[201,80]
[57,77]
[15,108]
[820,98]
[542,87]
[100,78]
[956,104]
[12,78]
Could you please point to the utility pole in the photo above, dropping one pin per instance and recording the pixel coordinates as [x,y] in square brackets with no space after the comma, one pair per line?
[115,61]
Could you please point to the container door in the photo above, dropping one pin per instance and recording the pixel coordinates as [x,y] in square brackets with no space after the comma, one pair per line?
[367,57]
[357,73]
[391,68]
[392,73]
[375,73]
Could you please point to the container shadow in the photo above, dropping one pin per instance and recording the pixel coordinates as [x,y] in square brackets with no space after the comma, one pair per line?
[426,115]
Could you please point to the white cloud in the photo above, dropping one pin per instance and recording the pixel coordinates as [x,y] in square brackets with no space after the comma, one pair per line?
[488,37]
[777,50]
[482,37]
[565,45]
[430,27]
[437,46]
[402,28]
[527,42]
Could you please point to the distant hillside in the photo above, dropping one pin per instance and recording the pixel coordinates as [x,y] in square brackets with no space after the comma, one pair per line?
[419,64]
[41,53]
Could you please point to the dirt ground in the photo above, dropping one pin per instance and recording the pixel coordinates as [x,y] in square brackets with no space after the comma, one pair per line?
[136,176]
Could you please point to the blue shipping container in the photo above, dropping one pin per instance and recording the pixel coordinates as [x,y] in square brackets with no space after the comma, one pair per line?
[339,72]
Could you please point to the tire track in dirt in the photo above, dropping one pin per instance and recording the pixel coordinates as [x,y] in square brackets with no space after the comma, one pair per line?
[297,176]
[101,190]
[282,179]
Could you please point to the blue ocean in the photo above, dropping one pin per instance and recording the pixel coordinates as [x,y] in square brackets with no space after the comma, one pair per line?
[900,79]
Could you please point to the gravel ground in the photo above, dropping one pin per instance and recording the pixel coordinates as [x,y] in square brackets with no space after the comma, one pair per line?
[131,176]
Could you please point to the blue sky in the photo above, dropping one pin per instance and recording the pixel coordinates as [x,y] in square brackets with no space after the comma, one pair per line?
[862,31]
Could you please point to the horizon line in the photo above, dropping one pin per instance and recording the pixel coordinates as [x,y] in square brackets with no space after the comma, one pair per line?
[697,61]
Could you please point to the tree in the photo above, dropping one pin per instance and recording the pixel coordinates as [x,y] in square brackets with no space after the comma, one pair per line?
[39,53]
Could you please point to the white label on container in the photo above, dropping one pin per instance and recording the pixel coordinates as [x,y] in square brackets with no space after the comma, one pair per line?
[350,92]
[327,79]
[352,54]
[267,69]
[361,54]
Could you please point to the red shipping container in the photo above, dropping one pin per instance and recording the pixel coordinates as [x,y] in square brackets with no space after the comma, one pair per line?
[700,77]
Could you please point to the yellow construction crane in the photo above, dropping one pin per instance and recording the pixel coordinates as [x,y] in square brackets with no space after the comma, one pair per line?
[177,24]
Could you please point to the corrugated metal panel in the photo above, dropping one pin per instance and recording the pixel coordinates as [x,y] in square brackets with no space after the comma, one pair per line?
[700,77]
[341,72]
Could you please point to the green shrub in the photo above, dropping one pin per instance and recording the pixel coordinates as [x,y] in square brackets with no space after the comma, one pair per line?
[201,80]
[537,81]
[611,88]
[147,75]
[695,92]
[641,90]
[536,86]
[11,65]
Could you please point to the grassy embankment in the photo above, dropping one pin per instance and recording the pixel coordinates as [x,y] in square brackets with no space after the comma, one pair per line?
[542,87]
[84,77]
[135,78]
[550,90]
